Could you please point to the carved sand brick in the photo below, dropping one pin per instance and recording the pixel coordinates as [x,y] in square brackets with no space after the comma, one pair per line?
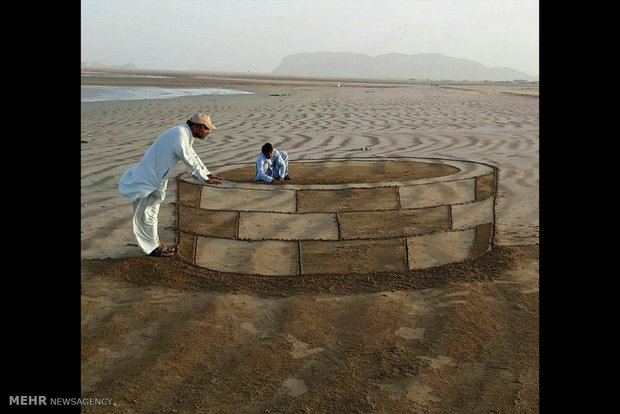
[394,223]
[273,258]
[280,226]
[439,249]
[435,194]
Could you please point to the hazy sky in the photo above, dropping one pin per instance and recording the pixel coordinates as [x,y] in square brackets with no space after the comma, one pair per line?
[254,35]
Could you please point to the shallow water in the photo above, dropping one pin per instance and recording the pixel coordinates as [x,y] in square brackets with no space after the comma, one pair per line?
[91,93]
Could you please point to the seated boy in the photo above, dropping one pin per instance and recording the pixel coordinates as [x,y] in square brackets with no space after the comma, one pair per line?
[271,165]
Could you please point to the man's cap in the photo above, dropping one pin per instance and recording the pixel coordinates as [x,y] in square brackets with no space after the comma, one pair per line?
[200,118]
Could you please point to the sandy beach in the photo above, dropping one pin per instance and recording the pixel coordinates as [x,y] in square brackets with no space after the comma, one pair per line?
[161,336]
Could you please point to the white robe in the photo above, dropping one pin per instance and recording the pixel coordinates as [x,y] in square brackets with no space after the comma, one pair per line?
[171,147]
[145,183]
[269,168]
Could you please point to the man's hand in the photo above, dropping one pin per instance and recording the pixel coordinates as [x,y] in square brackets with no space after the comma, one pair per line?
[210,181]
[213,176]
[277,181]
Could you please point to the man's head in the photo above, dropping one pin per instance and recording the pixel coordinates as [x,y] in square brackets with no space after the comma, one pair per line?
[267,150]
[201,125]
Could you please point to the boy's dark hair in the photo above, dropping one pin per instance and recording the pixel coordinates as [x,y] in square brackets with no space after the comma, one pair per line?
[266,148]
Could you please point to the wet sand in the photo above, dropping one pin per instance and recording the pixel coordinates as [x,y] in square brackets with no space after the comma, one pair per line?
[158,336]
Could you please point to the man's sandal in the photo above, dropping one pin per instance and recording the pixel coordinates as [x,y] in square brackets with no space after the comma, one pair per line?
[163,251]
[169,249]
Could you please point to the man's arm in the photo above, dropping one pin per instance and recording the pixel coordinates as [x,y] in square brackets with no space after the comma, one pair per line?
[210,175]
[194,164]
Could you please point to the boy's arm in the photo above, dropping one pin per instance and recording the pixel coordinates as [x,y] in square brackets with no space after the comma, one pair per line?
[260,170]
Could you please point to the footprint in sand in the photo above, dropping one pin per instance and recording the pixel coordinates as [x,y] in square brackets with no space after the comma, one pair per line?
[450,303]
[301,349]
[421,394]
[295,386]
[439,362]
[410,333]
[249,327]
[460,293]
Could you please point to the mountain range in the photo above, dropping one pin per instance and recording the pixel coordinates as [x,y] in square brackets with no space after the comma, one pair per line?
[424,66]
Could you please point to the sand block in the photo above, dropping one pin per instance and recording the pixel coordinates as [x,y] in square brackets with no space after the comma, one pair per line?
[383,224]
[470,215]
[185,246]
[352,256]
[282,226]
[208,222]
[270,257]
[484,235]
[439,249]
[429,195]
[281,201]
[485,186]
[189,194]
[350,199]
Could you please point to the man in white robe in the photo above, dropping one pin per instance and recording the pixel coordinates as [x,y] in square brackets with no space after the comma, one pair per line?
[271,165]
[145,183]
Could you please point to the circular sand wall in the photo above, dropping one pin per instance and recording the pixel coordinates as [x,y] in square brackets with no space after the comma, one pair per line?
[338,216]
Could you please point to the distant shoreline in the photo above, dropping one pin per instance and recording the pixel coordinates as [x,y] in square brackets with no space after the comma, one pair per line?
[134,77]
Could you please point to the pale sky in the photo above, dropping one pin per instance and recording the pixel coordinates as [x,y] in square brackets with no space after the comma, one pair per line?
[254,35]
